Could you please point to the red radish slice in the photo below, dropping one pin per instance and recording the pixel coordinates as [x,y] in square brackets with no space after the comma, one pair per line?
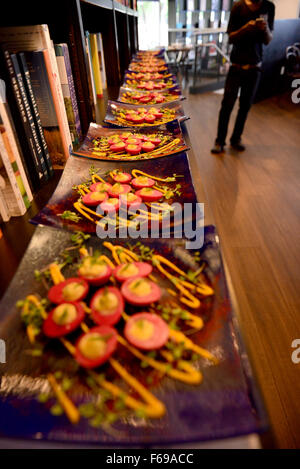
[149,195]
[133,149]
[94,198]
[145,99]
[130,200]
[110,205]
[100,186]
[150,119]
[118,189]
[70,290]
[129,271]
[157,113]
[121,177]
[136,97]
[148,146]
[133,141]
[119,146]
[125,135]
[63,319]
[137,119]
[93,272]
[142,181]
[140,291]
[96,346]
[146,331]
[107,306]
[155,141]
[113,139]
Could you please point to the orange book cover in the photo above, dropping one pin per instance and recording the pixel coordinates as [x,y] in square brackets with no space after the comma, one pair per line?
[56,102]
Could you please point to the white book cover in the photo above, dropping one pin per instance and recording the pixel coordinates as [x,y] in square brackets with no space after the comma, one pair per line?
[8,125]
[12,192]
[4,211]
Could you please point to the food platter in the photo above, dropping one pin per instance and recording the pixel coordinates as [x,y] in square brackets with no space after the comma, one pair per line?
[146,84]
[224,404]
[101,143]
[130,115]
[62,211]
[148,98]
[117,329]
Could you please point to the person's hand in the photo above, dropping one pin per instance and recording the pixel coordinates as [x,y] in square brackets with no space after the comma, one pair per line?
[251,26]
[261,24]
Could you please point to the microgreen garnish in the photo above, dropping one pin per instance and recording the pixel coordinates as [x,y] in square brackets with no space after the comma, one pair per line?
[69,215]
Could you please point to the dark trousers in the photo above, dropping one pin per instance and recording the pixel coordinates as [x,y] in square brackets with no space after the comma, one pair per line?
[247,81]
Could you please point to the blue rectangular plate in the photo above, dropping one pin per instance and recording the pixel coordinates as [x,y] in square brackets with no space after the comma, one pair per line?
[225,404]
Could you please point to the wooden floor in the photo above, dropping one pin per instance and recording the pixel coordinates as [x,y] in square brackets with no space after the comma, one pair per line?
[255,201]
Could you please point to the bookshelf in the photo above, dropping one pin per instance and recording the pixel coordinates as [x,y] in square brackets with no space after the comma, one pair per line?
[68,20]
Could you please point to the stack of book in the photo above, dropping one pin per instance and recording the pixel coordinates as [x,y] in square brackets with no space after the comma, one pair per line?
[37,89]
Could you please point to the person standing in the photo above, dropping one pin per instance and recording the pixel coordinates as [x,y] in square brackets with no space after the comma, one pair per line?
[250,26]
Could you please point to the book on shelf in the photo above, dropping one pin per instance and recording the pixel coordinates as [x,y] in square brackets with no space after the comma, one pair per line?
[92,85]
[42,91]
[37,38]
[23,128]
[101,60]
[35,111]
[16,200]
[68,89]
[13,169]
[4,210]
[96,65]
[41,161]
[17,158]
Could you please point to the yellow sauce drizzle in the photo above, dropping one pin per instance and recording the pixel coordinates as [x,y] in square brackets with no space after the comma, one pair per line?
[66,403]
[187,375]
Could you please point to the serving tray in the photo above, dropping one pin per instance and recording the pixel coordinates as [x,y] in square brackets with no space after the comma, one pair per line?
[171,132]
[174,110]
[225,404]
[77,171]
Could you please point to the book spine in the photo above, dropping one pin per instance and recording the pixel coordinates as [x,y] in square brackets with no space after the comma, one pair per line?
[4,211]
[11,162]
[89,55]
[96,65]
[66,92]
[52,68]
[34,131]
[38,175]
[21,208]
[102,62]
[72,89]
[58,101]
[35,111]
[11,135]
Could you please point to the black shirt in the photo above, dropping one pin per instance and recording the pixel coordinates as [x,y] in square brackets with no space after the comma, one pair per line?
[249,49]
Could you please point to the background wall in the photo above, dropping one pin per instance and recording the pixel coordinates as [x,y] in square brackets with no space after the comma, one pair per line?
[287,9]
[286,33]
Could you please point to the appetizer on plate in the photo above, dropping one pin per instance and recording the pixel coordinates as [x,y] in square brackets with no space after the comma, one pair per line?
[120,335]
